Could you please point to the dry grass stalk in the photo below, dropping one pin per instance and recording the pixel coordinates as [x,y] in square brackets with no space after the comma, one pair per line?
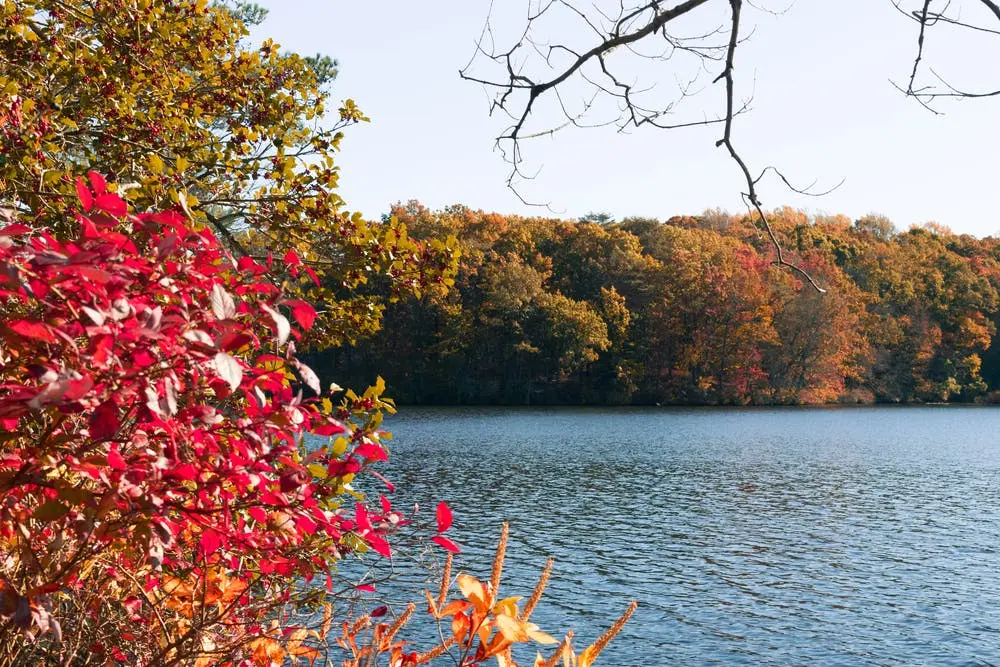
[361,622]
[498,561]
[595,649]
[399,622]
[564,646]
[536,595]
[445,581]
[435,652]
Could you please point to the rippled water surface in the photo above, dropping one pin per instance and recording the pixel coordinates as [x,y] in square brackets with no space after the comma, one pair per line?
[862,536]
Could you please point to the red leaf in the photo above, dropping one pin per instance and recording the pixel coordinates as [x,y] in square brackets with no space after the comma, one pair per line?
[389,485]
[379,545]
[308,376]
[379,611]
[93,273]
[223,306]
[115,459]
[83,192]
[329,428]
[210,542]
[386,505]
[312,274]
[77,389]
[305,524]
[248,264]
[303,313]
[234,341]
[446,544]
[30,329]
[15,230]
[291,259]
[361,517]
[186,471]
[143,359]
[370,450]
[443,516]
[258,514]
[104,422]
[367,588]
[98,183]
[282,328]
[132,605]
[111,204]
[229,370]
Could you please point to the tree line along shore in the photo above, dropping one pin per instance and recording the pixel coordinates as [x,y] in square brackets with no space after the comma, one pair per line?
[690,310]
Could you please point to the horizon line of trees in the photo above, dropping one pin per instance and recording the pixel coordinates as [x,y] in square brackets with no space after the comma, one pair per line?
[690,311]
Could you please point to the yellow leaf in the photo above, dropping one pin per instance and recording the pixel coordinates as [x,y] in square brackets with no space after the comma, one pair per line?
[539,636]
[473,590]
[155,164]
[26,32]
[272,364]
[507,606]
[511,628]
[182,164]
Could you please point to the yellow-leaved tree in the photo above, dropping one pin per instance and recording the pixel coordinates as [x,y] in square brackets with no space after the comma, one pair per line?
[172,102]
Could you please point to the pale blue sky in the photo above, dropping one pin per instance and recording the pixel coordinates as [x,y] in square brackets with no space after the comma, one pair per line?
[823,110]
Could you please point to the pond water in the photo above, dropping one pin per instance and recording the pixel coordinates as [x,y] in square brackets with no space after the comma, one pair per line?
[860,536]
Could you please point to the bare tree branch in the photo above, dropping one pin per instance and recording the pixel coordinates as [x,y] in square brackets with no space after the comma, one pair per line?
[727,141]
[926,18]
[539,69]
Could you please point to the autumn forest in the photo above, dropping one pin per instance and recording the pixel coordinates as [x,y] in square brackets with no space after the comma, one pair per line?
[690,310]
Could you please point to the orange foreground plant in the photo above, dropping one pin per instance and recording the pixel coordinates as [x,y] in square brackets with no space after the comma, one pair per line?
[482,625]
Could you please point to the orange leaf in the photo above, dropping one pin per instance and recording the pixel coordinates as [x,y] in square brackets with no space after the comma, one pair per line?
[453,607]
[460,627]
[266,651]
[432,605]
